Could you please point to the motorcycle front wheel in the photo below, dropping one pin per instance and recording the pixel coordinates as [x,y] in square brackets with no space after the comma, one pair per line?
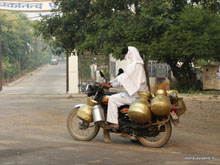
[158,141]
[79,129]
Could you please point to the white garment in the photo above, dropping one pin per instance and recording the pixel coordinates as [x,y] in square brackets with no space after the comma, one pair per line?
[115,83]
[114,102]
[133,80]
[117,100]
[134,74]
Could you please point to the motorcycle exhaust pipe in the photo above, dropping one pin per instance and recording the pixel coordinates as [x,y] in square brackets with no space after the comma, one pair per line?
[98,115]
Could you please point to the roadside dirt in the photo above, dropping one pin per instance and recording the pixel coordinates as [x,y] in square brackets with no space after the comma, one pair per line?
[203,114]
[199,128]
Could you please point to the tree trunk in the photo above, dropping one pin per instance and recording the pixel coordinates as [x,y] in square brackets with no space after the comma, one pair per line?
[147,75]
[185,75]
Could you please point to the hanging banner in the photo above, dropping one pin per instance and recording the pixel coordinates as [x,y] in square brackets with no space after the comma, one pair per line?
[43,6]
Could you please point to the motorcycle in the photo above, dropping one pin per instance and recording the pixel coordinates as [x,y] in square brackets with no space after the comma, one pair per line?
[136,121]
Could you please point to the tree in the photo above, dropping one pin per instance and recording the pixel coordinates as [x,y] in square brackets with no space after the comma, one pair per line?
[195,35]
[19,46]
[105,26]
[213,5]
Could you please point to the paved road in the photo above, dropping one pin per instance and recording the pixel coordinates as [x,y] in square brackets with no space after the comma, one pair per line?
[33,113]
[49,79]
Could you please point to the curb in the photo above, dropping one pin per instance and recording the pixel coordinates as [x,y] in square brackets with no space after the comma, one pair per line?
[72,96]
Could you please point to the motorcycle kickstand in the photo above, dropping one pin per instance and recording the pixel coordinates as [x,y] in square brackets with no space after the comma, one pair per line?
[106,134]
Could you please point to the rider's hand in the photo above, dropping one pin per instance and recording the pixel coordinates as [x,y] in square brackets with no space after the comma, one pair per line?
[108,85]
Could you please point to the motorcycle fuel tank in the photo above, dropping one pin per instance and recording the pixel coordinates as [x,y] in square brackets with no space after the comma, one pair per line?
[105,99]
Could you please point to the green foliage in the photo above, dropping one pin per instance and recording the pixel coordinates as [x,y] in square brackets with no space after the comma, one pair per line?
[7,67]
[21,50]
[213,5]
[194,36]
[178,32]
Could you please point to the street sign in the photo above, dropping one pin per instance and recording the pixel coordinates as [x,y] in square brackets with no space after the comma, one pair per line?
[37,6]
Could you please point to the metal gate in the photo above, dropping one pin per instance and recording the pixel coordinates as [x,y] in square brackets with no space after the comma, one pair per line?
[89,66]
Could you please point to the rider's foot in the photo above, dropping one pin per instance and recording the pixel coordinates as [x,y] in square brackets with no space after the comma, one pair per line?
[106,134]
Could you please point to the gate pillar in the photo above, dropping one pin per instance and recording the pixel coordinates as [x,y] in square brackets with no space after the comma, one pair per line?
[73,79]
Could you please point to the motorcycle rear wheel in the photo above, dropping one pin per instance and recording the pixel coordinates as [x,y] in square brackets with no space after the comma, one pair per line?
[156,142]
[79,129]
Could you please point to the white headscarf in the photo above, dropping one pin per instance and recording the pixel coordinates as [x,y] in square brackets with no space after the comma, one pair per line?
[134,74]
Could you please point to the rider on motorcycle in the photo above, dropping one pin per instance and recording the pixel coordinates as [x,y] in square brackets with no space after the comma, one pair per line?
[132,80]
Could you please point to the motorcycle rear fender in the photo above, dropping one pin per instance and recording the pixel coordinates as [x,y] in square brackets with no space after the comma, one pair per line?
[78,105]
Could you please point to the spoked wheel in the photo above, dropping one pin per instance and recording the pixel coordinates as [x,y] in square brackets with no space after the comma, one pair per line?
[79,129]
[157,141]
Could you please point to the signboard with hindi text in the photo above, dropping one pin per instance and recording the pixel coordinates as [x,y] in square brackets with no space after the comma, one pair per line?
[38,6]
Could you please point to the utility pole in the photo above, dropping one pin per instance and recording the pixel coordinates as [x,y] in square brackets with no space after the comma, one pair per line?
[67,73]
[0,64]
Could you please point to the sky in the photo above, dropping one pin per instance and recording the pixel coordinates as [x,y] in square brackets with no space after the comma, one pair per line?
[36,14]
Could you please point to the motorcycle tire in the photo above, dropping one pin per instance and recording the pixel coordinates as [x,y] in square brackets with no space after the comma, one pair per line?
[80,130]
[158,143]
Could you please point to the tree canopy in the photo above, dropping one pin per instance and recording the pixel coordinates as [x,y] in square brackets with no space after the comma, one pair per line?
[20,48]
[177,32]
[195,35]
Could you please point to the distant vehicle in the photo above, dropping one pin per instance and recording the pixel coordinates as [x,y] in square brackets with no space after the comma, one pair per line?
[54,61]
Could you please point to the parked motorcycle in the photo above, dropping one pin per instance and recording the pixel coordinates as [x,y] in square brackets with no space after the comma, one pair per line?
[147,120]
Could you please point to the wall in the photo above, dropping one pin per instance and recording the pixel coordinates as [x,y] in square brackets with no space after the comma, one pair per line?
[211,77]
